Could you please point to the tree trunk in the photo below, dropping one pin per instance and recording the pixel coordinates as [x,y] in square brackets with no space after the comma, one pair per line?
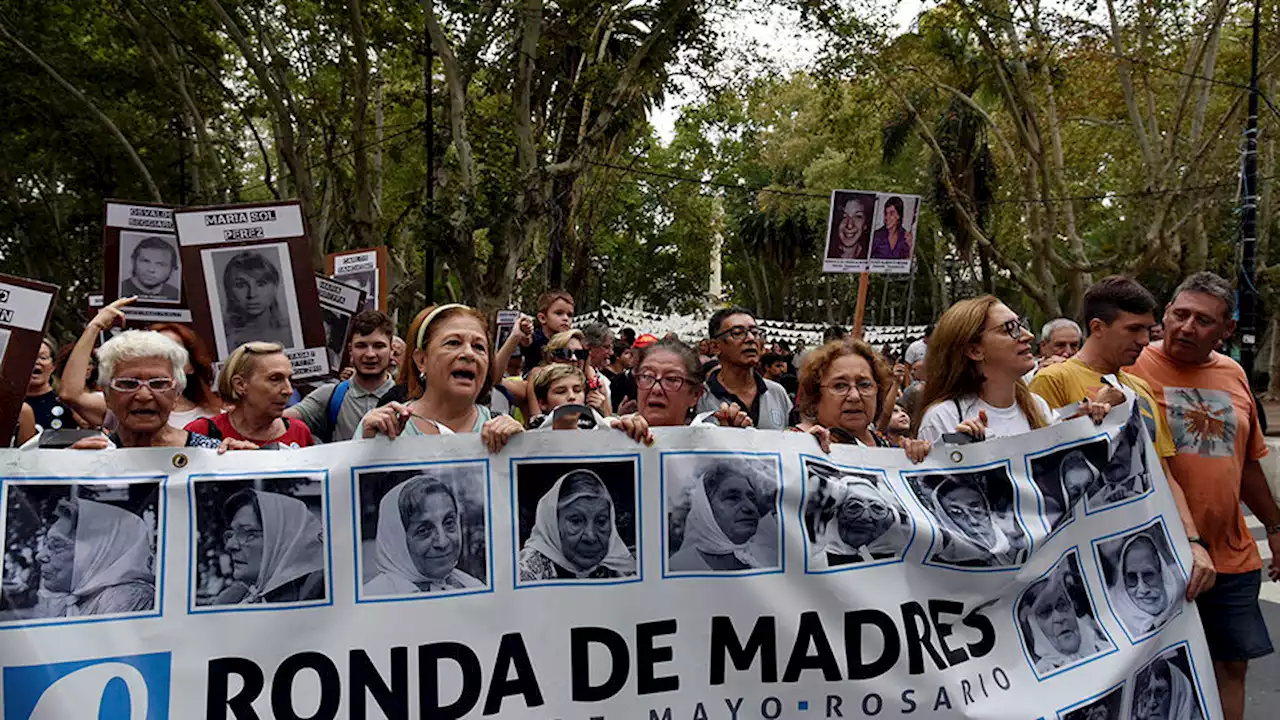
[363,219]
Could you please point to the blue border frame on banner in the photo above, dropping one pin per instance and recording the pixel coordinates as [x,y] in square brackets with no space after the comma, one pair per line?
[1093,605]
[1097,558]
[358,558]
[162,541]
[804,529]
[1094,698]
[1191,665]
[192,608]
[1040,501]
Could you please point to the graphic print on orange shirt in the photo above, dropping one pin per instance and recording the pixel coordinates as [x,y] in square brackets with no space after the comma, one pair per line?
[1203,421]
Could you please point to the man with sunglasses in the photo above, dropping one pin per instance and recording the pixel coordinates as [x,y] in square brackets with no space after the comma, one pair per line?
[737,341]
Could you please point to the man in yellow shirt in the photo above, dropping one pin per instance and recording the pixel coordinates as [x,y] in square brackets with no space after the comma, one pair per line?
[1119,313]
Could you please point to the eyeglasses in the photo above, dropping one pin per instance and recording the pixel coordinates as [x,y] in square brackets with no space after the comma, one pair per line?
[1013,328]
[132,385]
[670,383]
[855,510]
[242,536]
[565,354]
[841,388]
[739,332]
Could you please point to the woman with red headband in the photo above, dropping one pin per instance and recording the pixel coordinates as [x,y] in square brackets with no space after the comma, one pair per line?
[447,373]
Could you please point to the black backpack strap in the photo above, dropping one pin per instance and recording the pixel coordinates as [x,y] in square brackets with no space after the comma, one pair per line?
[211,430]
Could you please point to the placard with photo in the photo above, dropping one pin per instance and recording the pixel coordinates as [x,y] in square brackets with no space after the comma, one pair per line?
[366,268]
[871,232]
[142,260]
[26,306]
[339,302]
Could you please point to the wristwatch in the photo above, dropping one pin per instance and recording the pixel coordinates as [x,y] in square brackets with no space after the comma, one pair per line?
[1198,541]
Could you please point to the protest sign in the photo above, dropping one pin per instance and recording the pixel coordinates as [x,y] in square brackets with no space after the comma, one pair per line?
[720,573]
[141,259]
[366,268]
[506,322]
[871,232]
[247,269]
[339,302]
[26,306]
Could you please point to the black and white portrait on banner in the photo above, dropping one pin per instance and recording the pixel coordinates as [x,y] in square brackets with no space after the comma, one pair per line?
[1108,706]
[423,530]
[1064,477]
[252,296]
[577,521]
[1125,475]
[259,540]
[849,227]
[1145,583]
[1167,689]
[1058,622]
[149,267]
[975,515]
[722,513]
[852,518]
[81,550]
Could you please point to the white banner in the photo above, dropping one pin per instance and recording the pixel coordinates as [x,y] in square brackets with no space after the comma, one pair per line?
[721,573]
[139,217]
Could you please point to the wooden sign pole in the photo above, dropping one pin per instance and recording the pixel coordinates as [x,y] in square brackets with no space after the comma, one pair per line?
[860,312]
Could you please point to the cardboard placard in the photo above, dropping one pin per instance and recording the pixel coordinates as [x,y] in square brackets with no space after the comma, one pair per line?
[26,306]
[339,302]
[366,268]
[506,321]
[247,270]
[141,258]
[871,232]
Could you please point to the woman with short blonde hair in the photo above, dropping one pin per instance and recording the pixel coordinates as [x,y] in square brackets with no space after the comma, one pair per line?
[257,381]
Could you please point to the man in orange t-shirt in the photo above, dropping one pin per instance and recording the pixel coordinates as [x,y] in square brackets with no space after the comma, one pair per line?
[1206,400]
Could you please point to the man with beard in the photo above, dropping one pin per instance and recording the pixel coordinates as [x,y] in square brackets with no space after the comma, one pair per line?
[736,340]
[334,410]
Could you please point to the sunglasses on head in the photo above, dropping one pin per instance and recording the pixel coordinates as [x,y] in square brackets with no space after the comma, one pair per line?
[565,354]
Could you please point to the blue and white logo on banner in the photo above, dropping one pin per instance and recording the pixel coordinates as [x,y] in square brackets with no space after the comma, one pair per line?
[129,687]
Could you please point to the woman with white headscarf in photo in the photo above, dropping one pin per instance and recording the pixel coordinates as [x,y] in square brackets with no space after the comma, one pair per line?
[575,534]
[1163,692]
[863,524]
[1125,474]
[420,540]
[1076,475]
[1062,632]
[732,521]
[1148,590]
[276,546]
[96,560]
[973,533]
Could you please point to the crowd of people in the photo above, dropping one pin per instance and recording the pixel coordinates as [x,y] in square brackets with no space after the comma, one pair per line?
[979,372]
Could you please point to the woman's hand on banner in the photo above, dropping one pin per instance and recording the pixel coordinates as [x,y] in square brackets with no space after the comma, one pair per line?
[917,450]
[97,442]
[975,428]
[1093,409]
[820,433]
[730,415]
[387,420]
[635,426]
[235,444]
[496,432]
[1203,574]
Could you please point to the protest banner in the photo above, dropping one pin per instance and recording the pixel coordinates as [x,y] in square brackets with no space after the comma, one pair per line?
[141,259]
[719,573]
[366,268]
[26,306]
[247,270]
[339,302]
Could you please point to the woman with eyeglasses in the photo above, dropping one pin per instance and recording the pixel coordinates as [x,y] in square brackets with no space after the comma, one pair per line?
[276,545]
[570,347]
[669,380]
[142,378]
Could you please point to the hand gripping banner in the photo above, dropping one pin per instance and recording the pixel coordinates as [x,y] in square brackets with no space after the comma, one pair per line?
[730,574]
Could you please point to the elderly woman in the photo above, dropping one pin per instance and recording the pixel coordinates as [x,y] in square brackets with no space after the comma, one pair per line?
[726,529]
[1163,692]
[276,546]
[860,524]
[256,381]
[1147,591]
[251,286]
[142,375]
[449,373]
[97,559]
[669,382]
[1125,474]
[973,534]
[575,534]
[1062,632]
[420,539]
[1076,476]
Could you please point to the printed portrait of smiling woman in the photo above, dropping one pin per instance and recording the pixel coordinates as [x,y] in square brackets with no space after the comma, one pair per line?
[976,522]
[1145,584]
[724,517]
[420,539]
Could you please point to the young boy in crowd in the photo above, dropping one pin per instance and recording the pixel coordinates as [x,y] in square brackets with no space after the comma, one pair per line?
[563,384]
[555,315]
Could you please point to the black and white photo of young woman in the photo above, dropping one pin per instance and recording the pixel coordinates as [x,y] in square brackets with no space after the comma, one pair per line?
[577,521]
[1064,477]
[252,296]
[1165,689]
[849,237]
[1057,621]
[260,540]
[149,267]
[976,520]
[722,513]
[1109,706]
[1125,475]
[1145,583]
[80,550]
[851,518]
[423,530]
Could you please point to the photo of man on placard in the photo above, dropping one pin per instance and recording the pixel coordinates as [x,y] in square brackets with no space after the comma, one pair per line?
[149,267]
